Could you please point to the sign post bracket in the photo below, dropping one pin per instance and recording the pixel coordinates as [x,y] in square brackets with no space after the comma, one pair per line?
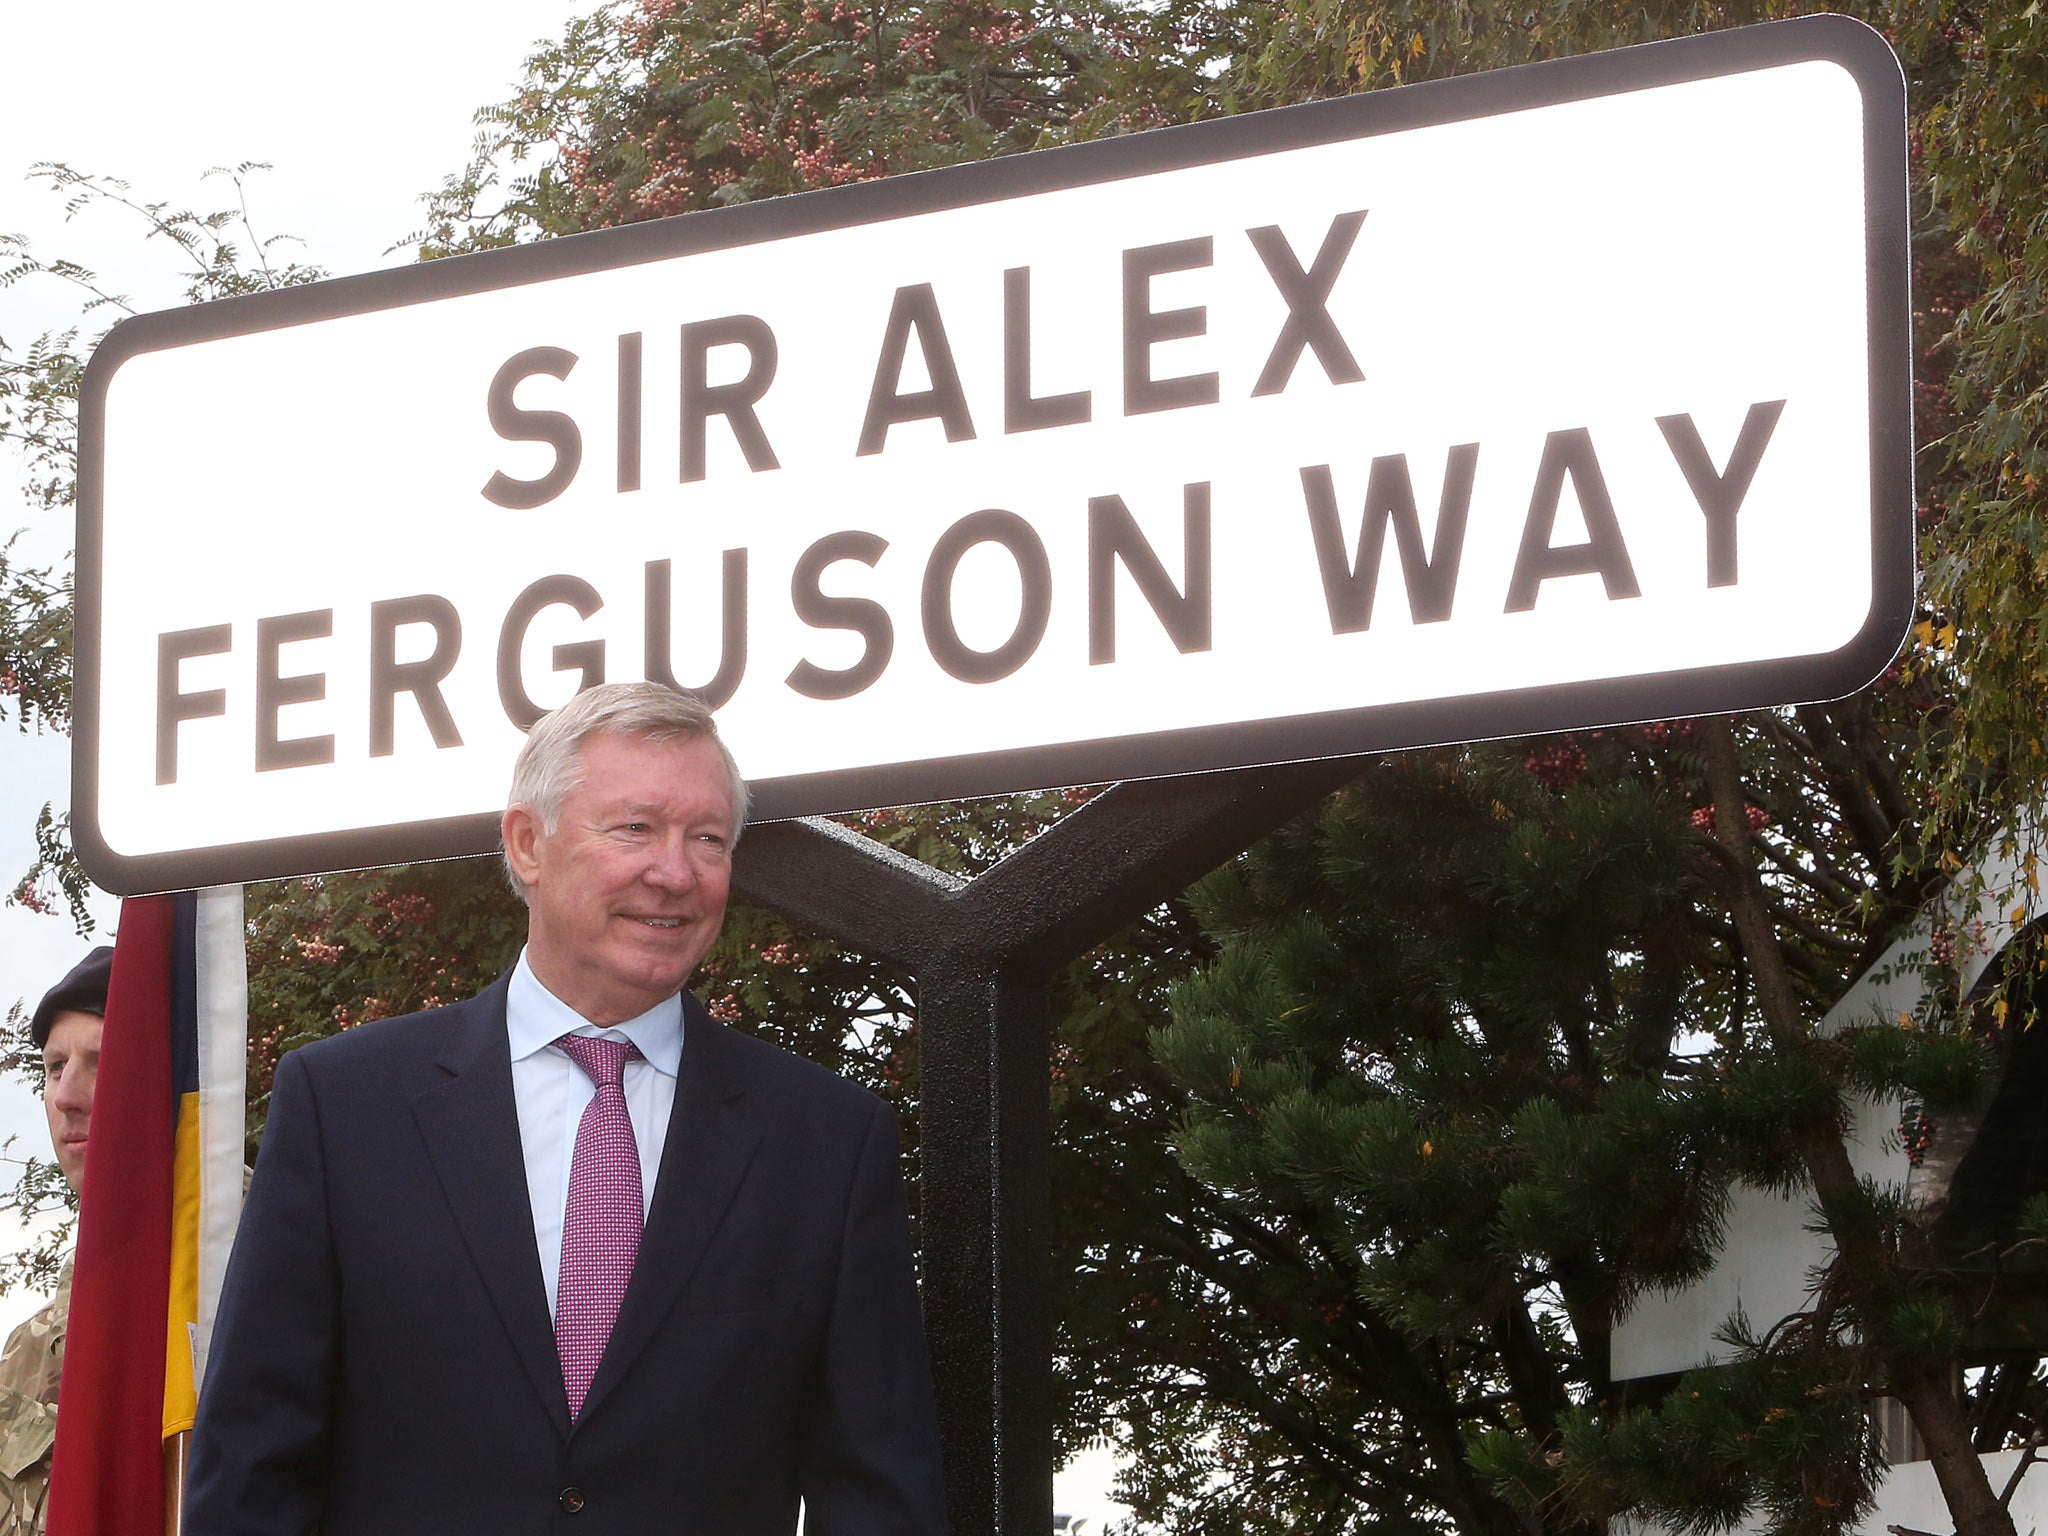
[983,953]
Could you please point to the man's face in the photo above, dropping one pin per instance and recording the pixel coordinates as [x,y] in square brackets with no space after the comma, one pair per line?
[71,1063]
[627,893]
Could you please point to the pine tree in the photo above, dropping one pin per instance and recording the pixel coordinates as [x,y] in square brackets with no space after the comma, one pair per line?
[1482,1033]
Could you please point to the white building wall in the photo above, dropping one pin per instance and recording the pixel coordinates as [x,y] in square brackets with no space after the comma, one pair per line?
[1769,1257]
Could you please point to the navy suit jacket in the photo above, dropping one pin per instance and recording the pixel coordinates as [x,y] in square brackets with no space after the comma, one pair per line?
[383,1361]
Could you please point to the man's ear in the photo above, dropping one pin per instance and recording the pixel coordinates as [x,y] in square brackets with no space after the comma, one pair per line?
[521,831]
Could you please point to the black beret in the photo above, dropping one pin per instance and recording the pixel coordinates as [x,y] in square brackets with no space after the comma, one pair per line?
[83,991]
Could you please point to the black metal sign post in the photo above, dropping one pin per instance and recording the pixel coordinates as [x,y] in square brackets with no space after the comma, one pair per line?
[983,953]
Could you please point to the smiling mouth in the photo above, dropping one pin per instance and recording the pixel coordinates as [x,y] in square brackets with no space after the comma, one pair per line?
[660,922]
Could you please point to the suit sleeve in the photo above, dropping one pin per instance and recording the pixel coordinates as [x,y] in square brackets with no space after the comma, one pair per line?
[870,1452]
[260,1442]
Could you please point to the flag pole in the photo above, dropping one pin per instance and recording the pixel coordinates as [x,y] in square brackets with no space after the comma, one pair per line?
[175,1450]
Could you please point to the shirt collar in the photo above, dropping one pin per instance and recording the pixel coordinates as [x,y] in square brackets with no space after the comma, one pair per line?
[535,1018]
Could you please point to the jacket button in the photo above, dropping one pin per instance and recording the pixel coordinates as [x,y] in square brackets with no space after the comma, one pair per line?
[571,1500]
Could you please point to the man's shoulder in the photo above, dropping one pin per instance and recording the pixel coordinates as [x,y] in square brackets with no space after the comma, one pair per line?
[773,1069]
[30,1367]
[33,1355]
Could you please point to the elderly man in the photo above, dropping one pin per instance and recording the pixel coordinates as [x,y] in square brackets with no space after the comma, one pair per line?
[572,1254]
[66,1029]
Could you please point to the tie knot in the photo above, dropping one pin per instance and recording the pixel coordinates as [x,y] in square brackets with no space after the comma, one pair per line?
[603,1061]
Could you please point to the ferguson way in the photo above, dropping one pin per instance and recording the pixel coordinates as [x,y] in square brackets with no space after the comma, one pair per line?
[1475,408]
[1349,558]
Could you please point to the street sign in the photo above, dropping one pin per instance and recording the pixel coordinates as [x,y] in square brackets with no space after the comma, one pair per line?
[1567,395]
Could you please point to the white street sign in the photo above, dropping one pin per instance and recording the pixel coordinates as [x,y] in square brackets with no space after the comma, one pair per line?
[1562,396]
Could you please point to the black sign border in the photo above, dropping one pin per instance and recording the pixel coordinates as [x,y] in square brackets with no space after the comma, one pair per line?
[1850,44]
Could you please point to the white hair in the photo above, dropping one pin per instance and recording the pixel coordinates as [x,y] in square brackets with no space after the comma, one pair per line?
[550,765]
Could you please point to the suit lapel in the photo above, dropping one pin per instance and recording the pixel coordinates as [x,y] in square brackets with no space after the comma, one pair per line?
[711,1139]
[470,1124]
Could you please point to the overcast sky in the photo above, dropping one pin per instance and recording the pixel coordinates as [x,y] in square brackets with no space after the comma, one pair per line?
[360,109]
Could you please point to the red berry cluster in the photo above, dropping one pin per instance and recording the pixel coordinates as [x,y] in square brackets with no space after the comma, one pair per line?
[1916,1135]
[874,823]
[319,951]
[1063,1059]
[408,907]
[1755,815]
[1560,765]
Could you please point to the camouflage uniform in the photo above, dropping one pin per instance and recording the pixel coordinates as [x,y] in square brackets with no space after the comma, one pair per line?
[29,1367]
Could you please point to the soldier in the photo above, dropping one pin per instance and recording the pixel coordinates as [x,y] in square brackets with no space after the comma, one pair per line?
[66,1029]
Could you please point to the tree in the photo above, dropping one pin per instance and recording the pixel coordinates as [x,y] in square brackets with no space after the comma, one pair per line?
[217,254]
[1480,1040]
[649,108]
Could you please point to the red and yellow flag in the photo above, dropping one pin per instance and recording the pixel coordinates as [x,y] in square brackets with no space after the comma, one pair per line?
[148,1247]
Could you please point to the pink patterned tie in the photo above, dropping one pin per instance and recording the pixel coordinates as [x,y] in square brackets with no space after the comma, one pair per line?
[601,1226]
